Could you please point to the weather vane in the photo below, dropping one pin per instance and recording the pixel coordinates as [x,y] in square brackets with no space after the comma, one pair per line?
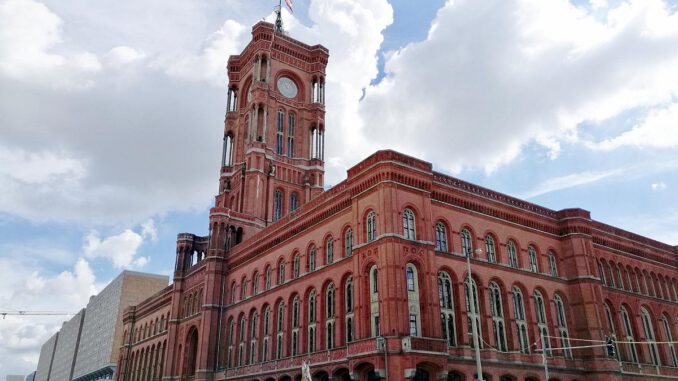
[278,15]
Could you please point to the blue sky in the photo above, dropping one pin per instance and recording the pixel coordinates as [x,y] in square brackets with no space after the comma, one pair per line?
[111,120]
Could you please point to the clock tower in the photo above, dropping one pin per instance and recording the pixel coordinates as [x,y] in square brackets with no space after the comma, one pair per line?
[272,161]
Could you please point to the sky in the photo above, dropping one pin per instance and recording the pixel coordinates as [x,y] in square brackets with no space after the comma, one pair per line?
[111,120]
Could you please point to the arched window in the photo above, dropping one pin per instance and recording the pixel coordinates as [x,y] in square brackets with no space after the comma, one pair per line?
[329,250]
[673,358]
[512,255]
[470,310]
[279,329]
[311,321]
[295,266]
[229,335]
[562,327]
[227,151]
[542,323]
[497,310]
[413,299]
[281,272]
[649,336]
[290,134]
[490,249]
[409,231]
[532,256]
[348,242]
[612,330]
[294,202]
[446,299]
[628,331]
[466,243]
[243,289]
[329,316]
[441,237]
[267,333]
[241,341]
[255,283]
[311,259]
[553,266]
[254,318]
[279,133]
[277,205]
[295,326]
[233,297]
[348,300]
[374,301]
[371,226]
[269,275]
[521,323]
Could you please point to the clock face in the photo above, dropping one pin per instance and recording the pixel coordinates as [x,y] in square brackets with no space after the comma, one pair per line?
[287,87]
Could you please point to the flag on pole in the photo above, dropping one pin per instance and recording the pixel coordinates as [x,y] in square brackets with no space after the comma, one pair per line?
[289,5]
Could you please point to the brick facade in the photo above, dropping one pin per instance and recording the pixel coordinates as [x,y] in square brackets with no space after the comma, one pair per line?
[368,280]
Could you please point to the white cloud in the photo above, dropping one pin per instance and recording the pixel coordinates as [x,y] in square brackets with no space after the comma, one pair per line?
[120,249]
[123,55]
[493,77]
[570,181]
[659,129]
[26,288]
[658,187]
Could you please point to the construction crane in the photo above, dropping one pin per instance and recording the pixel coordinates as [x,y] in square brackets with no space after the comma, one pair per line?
[4,313]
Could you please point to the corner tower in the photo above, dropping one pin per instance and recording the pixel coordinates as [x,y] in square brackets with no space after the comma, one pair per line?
[272,161]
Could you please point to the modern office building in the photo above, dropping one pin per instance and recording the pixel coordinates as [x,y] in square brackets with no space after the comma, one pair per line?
[86,347]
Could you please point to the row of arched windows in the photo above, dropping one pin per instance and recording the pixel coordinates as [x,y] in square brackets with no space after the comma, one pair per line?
[299,266]
[146,364]
[617,275]
[623,328]
[148,329]
[279,203]
[291,328]
[192,303]
[285,135]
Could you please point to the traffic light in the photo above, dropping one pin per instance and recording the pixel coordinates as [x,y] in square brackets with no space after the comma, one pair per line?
[609,345]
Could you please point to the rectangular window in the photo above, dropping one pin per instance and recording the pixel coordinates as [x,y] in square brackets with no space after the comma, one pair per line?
[413,325]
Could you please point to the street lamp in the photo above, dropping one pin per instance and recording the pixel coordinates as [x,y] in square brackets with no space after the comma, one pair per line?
[474,326]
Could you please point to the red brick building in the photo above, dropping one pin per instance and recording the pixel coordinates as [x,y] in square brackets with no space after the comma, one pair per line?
[366,280]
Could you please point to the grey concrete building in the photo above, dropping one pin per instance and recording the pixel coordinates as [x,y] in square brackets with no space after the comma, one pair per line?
[30,376]
[46,358]
[87,346]
[14,377]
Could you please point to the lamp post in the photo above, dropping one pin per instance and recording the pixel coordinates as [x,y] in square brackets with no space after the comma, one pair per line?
[474,326]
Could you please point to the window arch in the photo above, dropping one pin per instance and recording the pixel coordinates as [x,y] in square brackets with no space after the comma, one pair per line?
[279,132]
[255,283]
[254,318]
[553,266]
[562,327]
[348,301]
[441,237]
[241,341]
[267,333]
[374,301]
[296,263]
[371,226]
[532,256]
[497,310]
[291,121]
[311,259]
[646,319]
[243,289]
[512,254]
[521,322]
[412,281]
[409,230]
[279,329]
[329,316]
[472,294]
[268,276]
[673,358]
[329,250]
[542,323]
[295,326]
[348,242]
[466,243]
[233,296]
[281,272]
[312,304]
[490,249]
[628,331]
[294,201]
[447,316]
[277,205]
